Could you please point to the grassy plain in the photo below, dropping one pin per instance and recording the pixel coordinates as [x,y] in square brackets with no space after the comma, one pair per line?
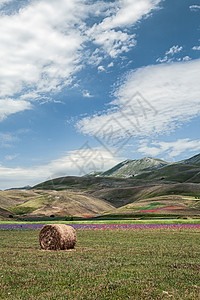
[106,264]
[113,221]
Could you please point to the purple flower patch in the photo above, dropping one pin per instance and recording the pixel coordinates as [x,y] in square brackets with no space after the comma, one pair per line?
[107,226]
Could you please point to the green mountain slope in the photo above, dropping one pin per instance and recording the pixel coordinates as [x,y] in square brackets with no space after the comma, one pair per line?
[195,160]
[175,172]
[147,166]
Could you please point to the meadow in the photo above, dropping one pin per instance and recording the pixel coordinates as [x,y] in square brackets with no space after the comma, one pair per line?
[106,264]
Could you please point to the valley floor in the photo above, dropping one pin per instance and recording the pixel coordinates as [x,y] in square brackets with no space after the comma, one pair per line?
[106,264]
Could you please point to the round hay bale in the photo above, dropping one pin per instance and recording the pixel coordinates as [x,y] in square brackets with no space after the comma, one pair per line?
[57,237]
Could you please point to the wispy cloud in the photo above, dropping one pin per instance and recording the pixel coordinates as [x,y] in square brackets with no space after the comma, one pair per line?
[2,2]
[194,7]
[7,139]
[78,162]
[171,90]
[11,157]
[169,149]
[10,106]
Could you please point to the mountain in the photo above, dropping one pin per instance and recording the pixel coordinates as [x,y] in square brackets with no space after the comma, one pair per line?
[150,168]
[133,188]
[173,198]
[184,171]
[174,173]
[131,168]
[80,196]
[195,160]
[27,187]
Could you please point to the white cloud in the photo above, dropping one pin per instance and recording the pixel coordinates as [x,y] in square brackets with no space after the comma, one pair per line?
[126,13]
[171,149]
[194,7]
[173,50]
[11,157]
[2,2]
[87,94]
[101,68]
[169,55]
[39,50]
[43,44]
[169,96]
[10,106]
[186,58]
[111,64]
[6,139]
[77,162]
[39,47]
[196,48]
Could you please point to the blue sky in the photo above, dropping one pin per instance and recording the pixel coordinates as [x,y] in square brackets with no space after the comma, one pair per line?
[86,84]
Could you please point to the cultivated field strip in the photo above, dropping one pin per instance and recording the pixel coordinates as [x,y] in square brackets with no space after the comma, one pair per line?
[107,226]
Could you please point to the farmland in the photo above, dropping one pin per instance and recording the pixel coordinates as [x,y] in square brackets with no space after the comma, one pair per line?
[106,264]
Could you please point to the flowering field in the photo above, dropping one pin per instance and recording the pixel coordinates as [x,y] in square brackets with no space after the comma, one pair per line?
[107,226]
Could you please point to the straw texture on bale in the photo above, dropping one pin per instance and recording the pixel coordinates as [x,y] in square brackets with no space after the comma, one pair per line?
[57,237]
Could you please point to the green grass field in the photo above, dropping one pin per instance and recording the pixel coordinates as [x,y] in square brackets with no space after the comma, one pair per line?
[113,221]
[106,264]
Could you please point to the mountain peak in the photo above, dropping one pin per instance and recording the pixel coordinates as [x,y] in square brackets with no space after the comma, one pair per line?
[130,168]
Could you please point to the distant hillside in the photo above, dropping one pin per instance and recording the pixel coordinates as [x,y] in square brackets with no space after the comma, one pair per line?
[47,203]
[170,205]
[5,214]
[151,187]
[174,173]
[79,196]
[21,188]
[120,191]
[130,168]
[195,160]
[149,168]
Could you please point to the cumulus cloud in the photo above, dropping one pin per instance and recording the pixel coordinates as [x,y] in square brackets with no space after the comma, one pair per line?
[39,48]
[110,65]
[86,94]
[186,58]
[169,96]
[175,49]
[196,48]
[78,162]
[39,51]
[108,34]
[169,55]
[101,68]
[171,149]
